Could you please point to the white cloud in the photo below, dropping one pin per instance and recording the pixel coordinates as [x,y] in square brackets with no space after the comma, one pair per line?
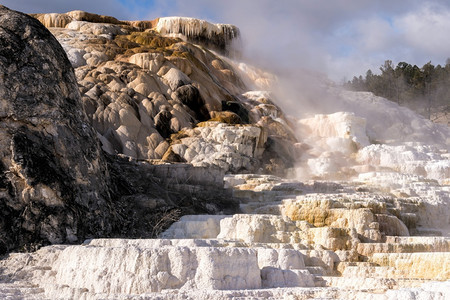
[426,30]
[375,34]
[327,35]
[415,36]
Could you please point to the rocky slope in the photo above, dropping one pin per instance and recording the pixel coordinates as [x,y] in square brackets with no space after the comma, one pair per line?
[148,94]
[56,184]
[182,131]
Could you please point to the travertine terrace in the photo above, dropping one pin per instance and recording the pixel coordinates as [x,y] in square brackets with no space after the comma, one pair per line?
[354,204]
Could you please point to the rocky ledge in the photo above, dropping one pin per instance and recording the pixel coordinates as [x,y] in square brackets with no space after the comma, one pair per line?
[330,241]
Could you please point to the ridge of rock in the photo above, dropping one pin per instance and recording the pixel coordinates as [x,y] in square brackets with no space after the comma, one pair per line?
[215,36]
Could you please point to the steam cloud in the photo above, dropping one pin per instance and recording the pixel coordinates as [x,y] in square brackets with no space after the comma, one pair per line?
[339,38]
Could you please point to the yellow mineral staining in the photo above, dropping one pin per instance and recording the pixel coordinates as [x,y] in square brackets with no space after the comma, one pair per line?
[431,265]
[225,117]
[369,220]
[151,39]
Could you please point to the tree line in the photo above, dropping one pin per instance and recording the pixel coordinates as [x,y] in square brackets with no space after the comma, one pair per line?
[425,90]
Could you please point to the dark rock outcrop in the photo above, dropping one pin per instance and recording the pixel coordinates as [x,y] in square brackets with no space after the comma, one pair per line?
[238,108]
[155,196]
[190,96]
[54,181]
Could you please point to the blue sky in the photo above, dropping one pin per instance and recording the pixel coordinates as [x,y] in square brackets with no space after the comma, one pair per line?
[340,38]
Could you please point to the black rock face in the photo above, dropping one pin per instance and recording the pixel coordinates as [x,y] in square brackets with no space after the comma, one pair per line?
[190,96]
[54,181]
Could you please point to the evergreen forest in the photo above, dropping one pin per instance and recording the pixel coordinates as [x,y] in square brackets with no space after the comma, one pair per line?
[424,89]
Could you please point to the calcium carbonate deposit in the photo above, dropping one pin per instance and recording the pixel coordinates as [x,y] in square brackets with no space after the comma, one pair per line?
[363,212]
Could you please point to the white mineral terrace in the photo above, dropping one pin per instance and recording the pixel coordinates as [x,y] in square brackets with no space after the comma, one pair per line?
[374,224]
[382,233]
[296,240]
